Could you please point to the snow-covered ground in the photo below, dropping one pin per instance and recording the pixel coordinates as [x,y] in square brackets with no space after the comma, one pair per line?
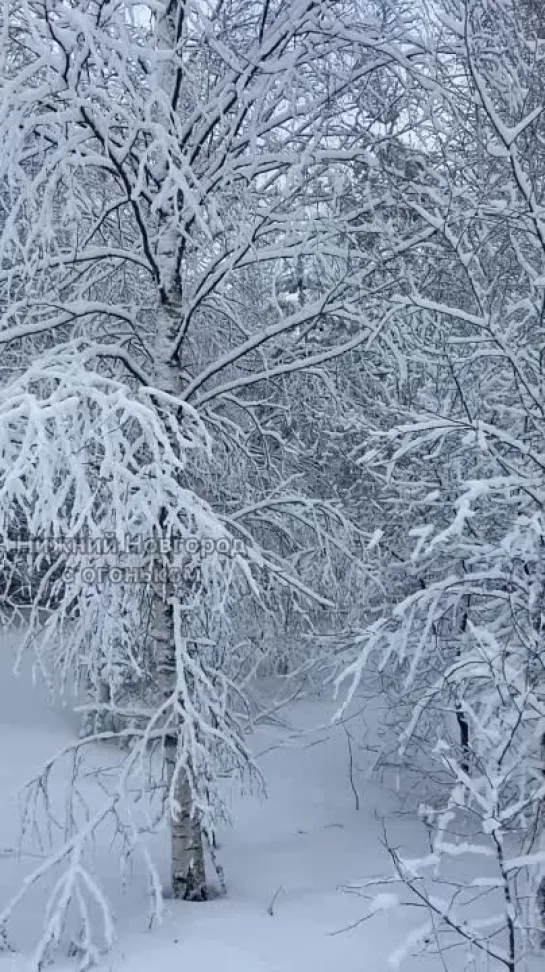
[293,854]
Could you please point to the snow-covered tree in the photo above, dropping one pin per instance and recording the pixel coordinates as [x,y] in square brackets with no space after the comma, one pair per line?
[457,453]
[165,175]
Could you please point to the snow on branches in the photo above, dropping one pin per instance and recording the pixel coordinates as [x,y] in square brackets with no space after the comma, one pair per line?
[92,491]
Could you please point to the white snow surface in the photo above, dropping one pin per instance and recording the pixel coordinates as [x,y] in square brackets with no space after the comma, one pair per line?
[296,853]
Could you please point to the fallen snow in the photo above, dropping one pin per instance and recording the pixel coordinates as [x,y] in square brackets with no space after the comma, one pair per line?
[294,863]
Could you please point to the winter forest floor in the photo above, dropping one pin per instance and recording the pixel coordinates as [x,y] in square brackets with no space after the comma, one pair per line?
[298,850]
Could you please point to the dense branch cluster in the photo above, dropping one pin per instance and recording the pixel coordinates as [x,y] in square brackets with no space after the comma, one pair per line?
[272,302]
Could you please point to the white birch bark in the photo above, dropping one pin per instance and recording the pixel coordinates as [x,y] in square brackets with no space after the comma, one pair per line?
[188,874]
[188,877]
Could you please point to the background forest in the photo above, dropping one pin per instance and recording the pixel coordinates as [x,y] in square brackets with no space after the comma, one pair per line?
[272,431]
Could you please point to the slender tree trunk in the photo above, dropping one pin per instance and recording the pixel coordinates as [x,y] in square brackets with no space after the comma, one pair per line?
[98,720]
[188,867]
[461,718]
[187,851]
[188,874]
[463,726]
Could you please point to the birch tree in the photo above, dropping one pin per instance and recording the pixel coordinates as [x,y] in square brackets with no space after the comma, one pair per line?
[165,170]
[459,459]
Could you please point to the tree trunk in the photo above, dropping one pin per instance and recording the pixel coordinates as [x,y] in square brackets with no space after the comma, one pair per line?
[97,720]
[188,875]
[463,726]
[188,868]
[461,718]
[187,852]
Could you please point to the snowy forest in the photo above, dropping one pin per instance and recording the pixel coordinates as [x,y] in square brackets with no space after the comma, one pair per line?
[272,485]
